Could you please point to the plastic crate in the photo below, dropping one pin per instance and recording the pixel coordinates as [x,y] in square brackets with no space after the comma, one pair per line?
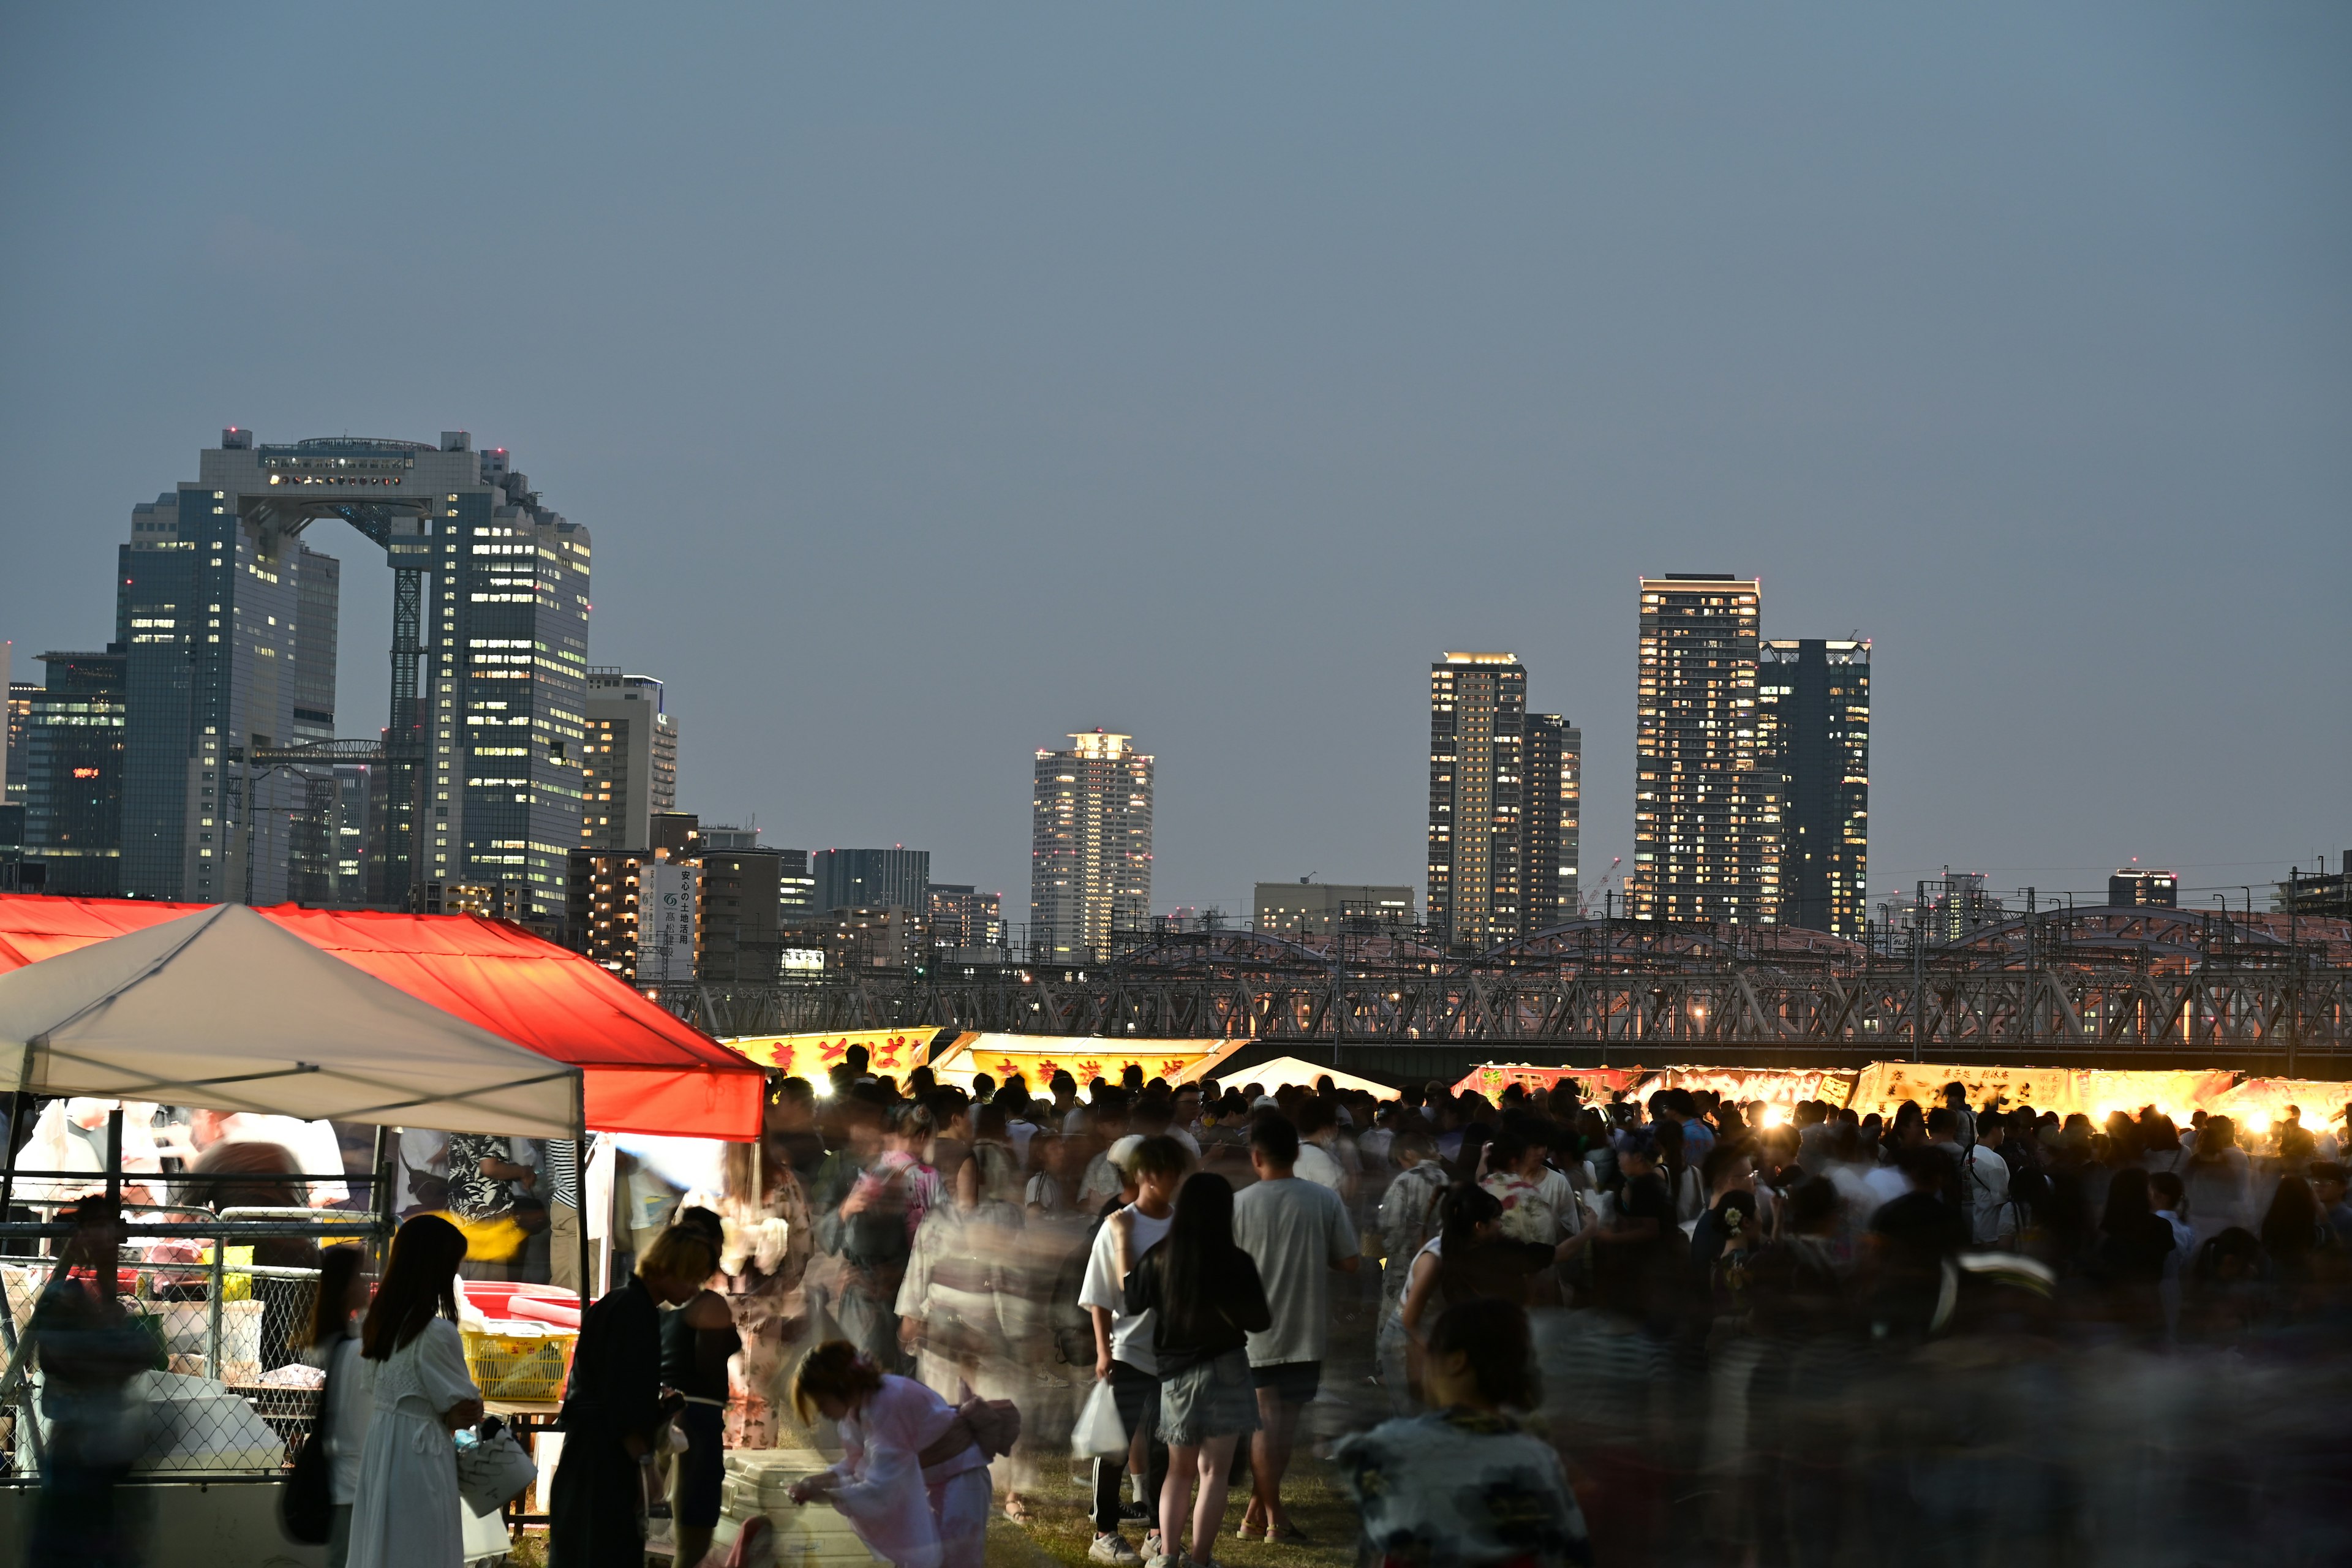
[519,1367]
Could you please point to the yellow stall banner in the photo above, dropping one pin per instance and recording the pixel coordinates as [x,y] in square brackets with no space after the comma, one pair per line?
[895,1052]
[1883,1086]
[1084,1058]
[2259,1104]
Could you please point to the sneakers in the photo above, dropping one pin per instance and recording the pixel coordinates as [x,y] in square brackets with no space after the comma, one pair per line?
[1136,1513]
[1113,1549]
[1152,1552]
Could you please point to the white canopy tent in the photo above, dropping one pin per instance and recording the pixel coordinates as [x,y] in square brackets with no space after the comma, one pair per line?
[1280,1071]
[222,1008]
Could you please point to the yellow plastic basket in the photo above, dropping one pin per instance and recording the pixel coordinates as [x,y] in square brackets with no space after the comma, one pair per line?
[519,1367]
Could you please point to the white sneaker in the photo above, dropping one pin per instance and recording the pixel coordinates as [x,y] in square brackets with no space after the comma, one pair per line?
[1153,1557]
[1113,1549]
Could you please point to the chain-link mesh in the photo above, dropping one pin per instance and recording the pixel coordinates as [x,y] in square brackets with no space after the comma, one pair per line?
[202,1371]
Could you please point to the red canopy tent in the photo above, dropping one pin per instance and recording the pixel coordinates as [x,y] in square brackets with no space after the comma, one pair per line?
[642,1069]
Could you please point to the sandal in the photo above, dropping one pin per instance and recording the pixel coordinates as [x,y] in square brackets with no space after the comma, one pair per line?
[1290,1535]
[1017,1510]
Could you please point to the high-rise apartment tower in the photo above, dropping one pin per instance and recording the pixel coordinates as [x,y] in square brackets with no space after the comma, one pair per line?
[1813,733]
[629,762]
[1503,791]
[1090,847]
[1706,829]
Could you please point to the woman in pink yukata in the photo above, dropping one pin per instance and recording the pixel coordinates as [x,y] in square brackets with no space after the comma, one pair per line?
[912,1481]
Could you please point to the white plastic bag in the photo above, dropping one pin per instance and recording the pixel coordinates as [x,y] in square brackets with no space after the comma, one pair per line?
[493,1472]
[1099,1432]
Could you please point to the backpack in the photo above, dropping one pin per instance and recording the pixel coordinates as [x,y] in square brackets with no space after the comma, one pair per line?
[306,1499]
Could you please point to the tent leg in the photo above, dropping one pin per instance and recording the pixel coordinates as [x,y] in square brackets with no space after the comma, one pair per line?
[580,1197]
[380,1200]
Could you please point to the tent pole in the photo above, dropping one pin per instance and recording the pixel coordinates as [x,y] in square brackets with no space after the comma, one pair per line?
[580,1194]
[114,1155]
[381,1199]
[17,1103]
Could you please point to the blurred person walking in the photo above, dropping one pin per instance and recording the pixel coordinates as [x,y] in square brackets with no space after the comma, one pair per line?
[613,1409]
[1123,1355]
[347,1407]
[1296,1233]
[89,1351]
[1204,1298]
[1467,1486]
[404,1506]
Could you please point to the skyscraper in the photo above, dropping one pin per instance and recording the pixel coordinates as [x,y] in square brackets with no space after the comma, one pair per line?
[321,585]
[1090,846]
[73,795]
[629,762]
[1477,773]
[1705,812]
[1503,790]
[481,750]
[20,718]
[1812,735]
[1555,789]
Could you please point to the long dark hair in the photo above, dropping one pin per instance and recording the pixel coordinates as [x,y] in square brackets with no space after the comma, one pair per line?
[2129,1207]
[420,1282]
[2291,1224]
[1198,1256]
[329,1319]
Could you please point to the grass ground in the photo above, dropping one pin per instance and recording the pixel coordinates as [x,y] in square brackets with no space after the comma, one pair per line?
[1060,1531]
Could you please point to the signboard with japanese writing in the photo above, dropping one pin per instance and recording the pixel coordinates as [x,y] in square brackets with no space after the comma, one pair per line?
[895,1052]
[665,923]
[1084,1058]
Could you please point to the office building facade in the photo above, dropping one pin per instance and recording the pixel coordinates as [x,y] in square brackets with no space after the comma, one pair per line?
[1504,786]
[20,718]
[74,774]
[1555,751]
[1091,846]
[963,918]
[1706,838]
[630,762]
[2132,887]
[483,744]
[871,879]
[1321,909]
[795,886]
[737,934]
[1812,737]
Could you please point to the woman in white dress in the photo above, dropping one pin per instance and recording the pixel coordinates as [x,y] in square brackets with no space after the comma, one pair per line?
[405,1513]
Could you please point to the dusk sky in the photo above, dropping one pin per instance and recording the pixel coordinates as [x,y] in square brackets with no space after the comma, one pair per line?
[936,382]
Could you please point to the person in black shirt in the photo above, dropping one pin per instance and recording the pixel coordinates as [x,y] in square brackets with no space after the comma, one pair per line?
[1206,1299]
[1911,1237]
[1640,1267]
[613,1405]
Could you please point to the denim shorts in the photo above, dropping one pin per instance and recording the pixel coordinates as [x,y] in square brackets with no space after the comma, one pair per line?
[1213,1399]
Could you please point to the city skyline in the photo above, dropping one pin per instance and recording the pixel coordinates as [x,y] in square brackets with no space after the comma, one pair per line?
[2025,351]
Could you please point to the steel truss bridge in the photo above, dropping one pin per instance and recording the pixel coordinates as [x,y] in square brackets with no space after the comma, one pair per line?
[2109,986]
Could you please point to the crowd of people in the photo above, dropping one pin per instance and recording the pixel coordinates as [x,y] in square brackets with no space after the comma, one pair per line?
[1810,1334]
[1544,1330]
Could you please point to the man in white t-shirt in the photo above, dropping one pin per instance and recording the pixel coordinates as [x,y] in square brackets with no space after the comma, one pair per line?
[1297,1232]
[1123,1355]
